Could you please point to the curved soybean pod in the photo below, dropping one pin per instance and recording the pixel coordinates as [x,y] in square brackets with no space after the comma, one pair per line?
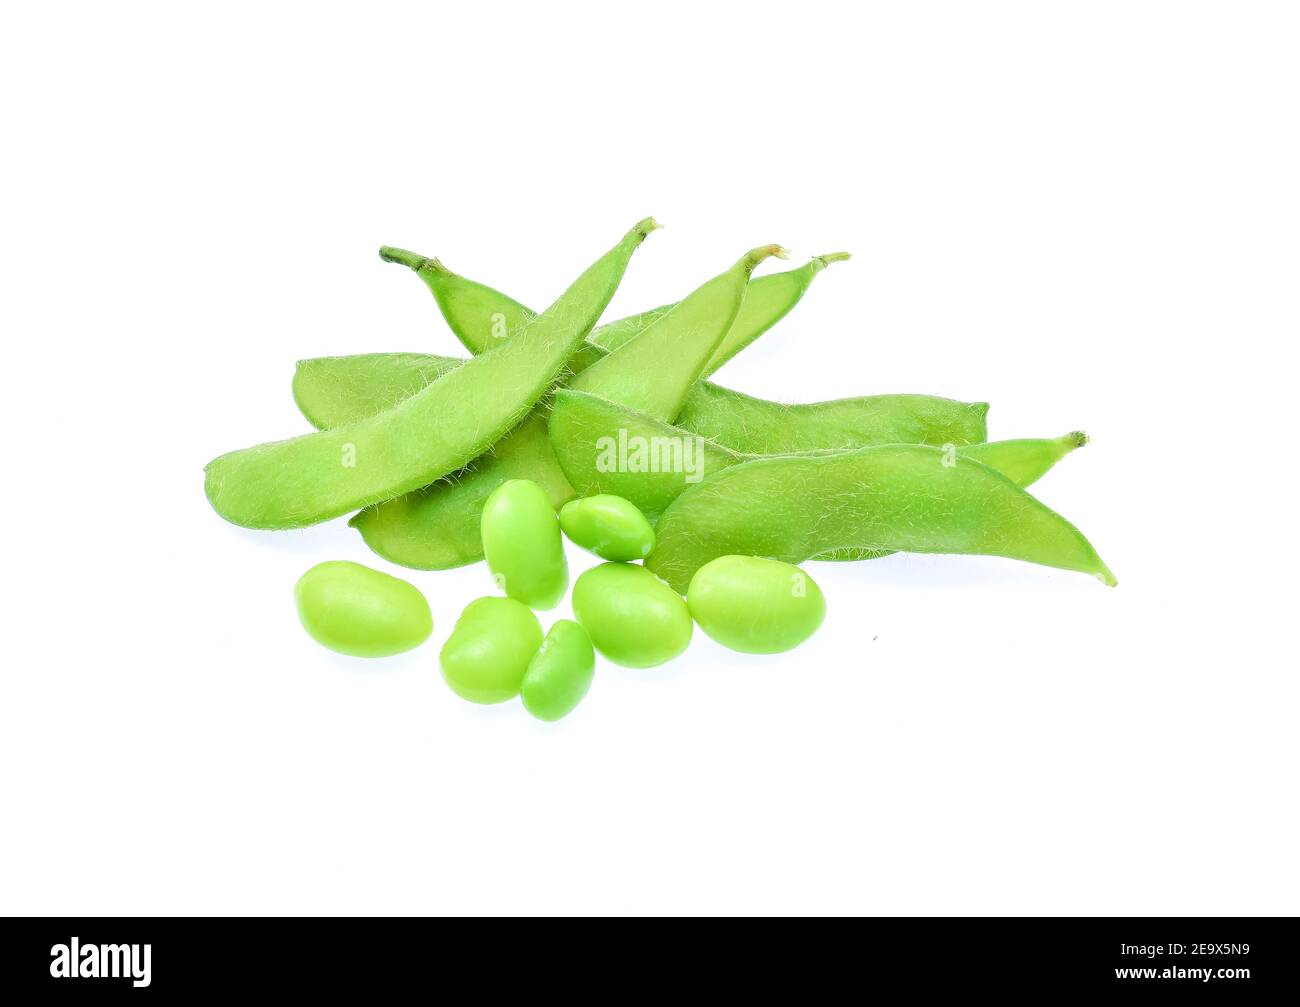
[436,527]
[480,316]
[909,498]
[603,447]
[1024,461]
[332,391]
[308,479]
[759,426]
[656,369]
[768,299]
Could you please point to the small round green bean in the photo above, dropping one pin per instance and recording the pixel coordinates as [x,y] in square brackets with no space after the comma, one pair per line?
[559,674]
[755,605]
[485,658]
[609,526]
[634,618]
[521,541]
[355,610]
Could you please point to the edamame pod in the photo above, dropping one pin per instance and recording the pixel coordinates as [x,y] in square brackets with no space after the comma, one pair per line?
[755,605]
[309,479]
[559,674]
[609,526]
[909,498]
[758,426]
[603,447]
[633,617]
[655,369]
[480,316]
[521,542]
[487,655]
[355,610]
[333,391]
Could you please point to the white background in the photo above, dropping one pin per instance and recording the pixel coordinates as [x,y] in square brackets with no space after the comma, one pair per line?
[1086,214]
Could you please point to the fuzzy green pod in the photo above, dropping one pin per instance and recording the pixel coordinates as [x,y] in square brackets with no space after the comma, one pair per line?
[559,674]
[609,526]
[904,497]
[634,618]
[755,605]
[440,429]
[355,610]
[654,369]
[521,541]
[485,658]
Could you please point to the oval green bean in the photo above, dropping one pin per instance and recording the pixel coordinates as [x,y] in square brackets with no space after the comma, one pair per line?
[312,478]
[487,655]
[909,498]
[755,605]
[355,610]
[633,617]
[521,542]
[559,674]
[609,526]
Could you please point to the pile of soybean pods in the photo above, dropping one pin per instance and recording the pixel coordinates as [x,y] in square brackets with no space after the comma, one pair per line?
[612,434]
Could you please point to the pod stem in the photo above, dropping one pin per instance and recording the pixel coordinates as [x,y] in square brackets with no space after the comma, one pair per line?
[756,255]
[822,261]
[414,260]
[644,227]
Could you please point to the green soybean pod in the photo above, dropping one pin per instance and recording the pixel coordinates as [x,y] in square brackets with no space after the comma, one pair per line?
[318,476]
[762,427]
[559,674]
[902,497]
[480,317]
[755,605]
[634,618]
[355,610]
[485,658]
[521,541]
[655,370]
[609,526]
[603,447]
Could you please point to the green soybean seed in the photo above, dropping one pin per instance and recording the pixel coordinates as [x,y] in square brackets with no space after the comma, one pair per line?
[609,526]
[908,498]
[355,610]
[559,674]
[485,658]
[633,617]
[755,605]
[521,541]
[308,479]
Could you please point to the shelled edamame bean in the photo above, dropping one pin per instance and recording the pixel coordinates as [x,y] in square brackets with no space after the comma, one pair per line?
[521,542]
[355,610]
[755,605]
[609,526]
[560,673]
[487,655]
[633,617]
